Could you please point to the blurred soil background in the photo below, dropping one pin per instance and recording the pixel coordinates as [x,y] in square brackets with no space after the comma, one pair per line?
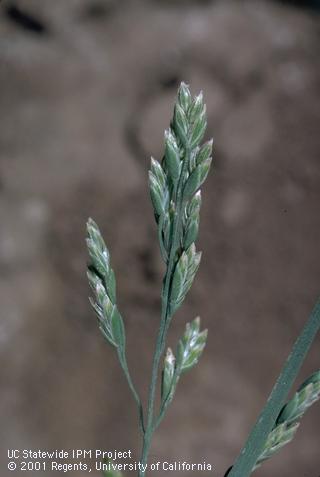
[87,88]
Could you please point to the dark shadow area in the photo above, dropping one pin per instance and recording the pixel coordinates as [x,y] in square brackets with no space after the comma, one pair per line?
[26,21]
[96,10]
[303,4]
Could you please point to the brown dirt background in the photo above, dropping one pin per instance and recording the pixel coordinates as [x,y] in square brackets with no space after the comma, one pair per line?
[85,97]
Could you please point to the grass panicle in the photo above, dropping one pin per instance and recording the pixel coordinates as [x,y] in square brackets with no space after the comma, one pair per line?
[174,184]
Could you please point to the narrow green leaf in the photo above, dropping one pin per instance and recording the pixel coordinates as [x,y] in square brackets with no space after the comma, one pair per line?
[264,425]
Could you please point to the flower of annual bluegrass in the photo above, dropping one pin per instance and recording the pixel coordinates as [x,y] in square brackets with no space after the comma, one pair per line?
[102,281]
[174,190]
[183,276]
[189,350]
[168,375]
[190,346]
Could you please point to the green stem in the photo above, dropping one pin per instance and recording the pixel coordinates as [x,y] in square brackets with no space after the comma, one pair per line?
[259,434]
[165,316]
[124,365]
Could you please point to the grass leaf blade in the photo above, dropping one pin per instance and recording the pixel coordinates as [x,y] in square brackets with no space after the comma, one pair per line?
[260,432]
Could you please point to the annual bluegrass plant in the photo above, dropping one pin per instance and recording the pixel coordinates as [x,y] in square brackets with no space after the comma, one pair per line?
[175,184]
